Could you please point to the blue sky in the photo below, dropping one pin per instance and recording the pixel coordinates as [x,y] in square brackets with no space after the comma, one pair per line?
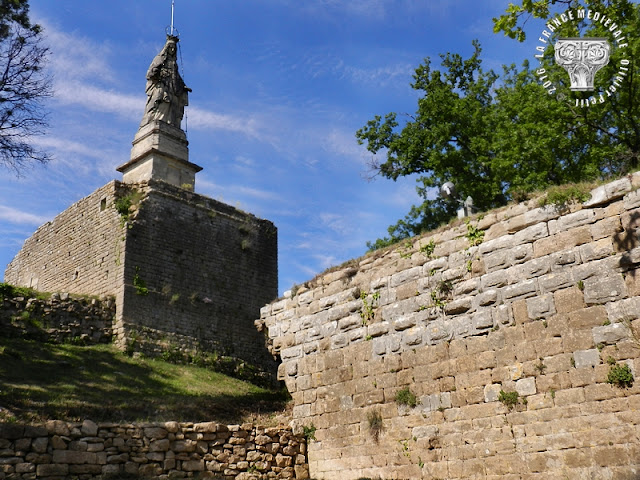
[279,89]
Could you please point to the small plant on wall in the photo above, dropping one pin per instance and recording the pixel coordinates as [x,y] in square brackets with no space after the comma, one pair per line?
[368,306]
[509,399]
[620,376]
[309,432]
[406,397]
[139,283]
[374,418]
[123,205]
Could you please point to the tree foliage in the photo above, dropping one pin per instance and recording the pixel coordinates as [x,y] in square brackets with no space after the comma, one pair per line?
[23,86]
[499,136]
[15,12]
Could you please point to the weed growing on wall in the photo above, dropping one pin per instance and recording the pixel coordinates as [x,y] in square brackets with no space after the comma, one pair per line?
[540,367]
[374,419]
[474,235]
[123,205]
[309,432]
[367,312]
[405,250]
[139,283]
[620,376]
[509,399]
[561,196]
[406,397]
[428,248]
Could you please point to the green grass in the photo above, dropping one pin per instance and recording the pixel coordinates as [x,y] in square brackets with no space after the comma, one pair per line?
[41,381]
[9,291]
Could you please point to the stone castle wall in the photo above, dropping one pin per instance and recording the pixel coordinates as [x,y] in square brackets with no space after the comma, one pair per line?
[443,359]
[78,251]
[187,272]
[60,450]
[207,269]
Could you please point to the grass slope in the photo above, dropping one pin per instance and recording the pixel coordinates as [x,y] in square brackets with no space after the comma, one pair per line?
[41,381]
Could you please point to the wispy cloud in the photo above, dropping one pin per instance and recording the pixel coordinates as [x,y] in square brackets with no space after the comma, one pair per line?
[344,143]
[75,57]
[238,191]
[97,99]
[373,10]
[321,63]
[15,216]
[248,125]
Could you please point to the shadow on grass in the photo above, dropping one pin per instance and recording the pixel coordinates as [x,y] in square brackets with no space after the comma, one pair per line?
[41,381]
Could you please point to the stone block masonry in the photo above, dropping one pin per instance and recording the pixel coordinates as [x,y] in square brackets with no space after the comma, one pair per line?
[78,251]
[197,272]
[59,450]
[187,272]
[463,354]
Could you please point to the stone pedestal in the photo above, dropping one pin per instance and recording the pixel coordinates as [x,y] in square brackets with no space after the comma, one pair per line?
[160,152]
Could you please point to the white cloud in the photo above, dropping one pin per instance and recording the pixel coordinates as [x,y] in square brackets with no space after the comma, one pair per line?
[13,215]
[97,99]
[343,143]
[236,192]
[250,126]
[76,57]
[374,10]
[325,261]
[319,64]
[339,223]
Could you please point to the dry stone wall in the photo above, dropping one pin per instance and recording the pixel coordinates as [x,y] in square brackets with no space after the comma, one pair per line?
[59,450]
[504,354]
[61,318]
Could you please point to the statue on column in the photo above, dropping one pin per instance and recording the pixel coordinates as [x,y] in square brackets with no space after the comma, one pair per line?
[167,95]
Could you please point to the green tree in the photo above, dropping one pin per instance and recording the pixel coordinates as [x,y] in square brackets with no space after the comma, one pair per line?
[15,12]
[498,137]
[493,137]
[23,86]
[448,139]
[615,128]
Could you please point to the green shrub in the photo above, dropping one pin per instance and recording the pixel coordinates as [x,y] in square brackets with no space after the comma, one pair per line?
[510,399]
[560,196]
[620,376]
[309,432]
[406,397]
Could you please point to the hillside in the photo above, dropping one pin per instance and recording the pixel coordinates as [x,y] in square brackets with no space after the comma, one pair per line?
[41,381]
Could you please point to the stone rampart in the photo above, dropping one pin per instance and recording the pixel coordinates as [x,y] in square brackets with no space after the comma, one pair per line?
[187,272]
[84,451]
[78,251]
[61,318]
[197,272]
[460,354]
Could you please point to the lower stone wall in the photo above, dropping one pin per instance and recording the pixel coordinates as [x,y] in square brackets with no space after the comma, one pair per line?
[61,318]
[60,450]
[557,416]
